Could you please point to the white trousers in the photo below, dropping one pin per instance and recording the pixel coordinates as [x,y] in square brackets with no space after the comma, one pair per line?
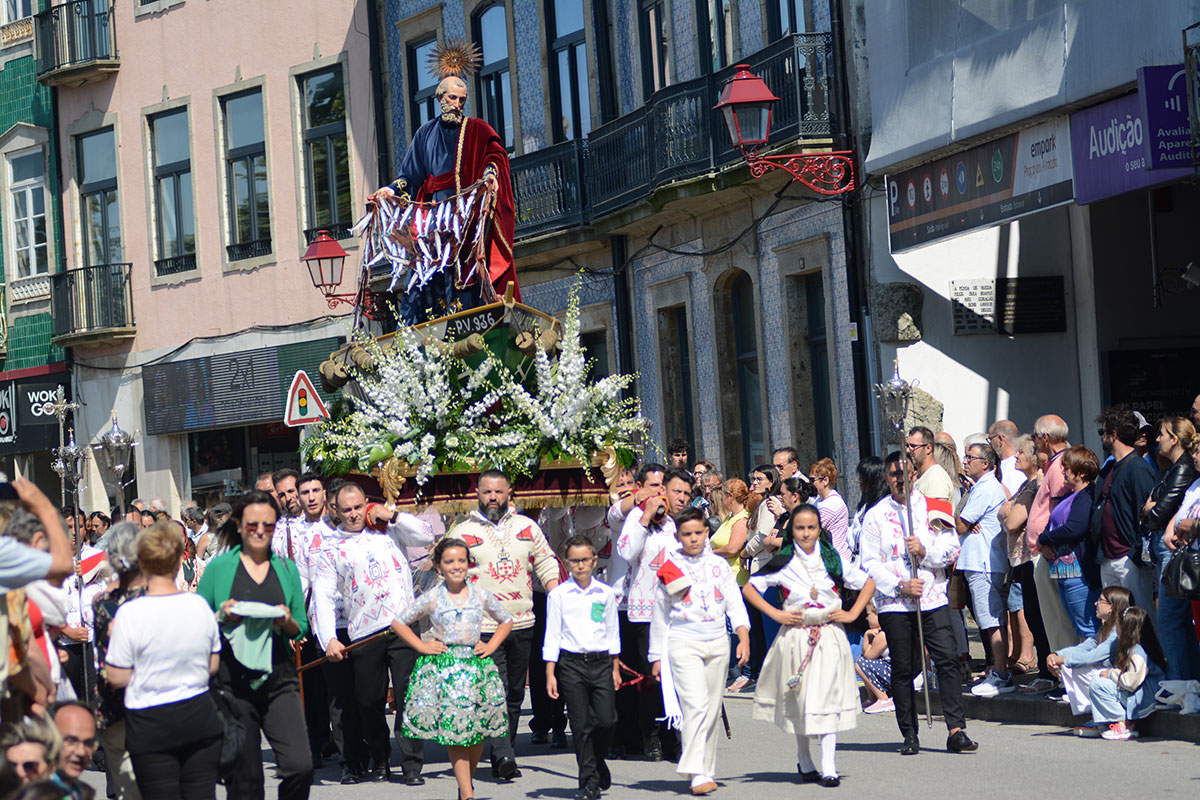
[1060,632]
[1076,681]
[698,669]
[1138,580]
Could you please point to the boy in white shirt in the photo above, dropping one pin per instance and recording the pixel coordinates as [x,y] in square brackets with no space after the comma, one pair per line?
[581,649]
[689,650]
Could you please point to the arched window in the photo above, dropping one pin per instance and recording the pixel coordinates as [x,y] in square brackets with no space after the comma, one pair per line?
[494,82]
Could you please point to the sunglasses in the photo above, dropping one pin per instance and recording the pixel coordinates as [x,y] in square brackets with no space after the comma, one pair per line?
[266,527]
[29,767]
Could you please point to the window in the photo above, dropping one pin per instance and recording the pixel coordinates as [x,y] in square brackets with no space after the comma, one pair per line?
[595,346]
[246,176]
[656,68]
[175,221]
[326,158]
[716,34]
[818,353]
[494,83]
[809,383]
[570,104]
[785,17]
[27,212]
[675,359]
[424,84]
[96,155]
[748,379]
[17,9]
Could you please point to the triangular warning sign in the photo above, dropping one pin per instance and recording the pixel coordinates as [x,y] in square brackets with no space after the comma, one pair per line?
[303,405]
[978,175]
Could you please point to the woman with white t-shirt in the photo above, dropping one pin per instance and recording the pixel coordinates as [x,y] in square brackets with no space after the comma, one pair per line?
[165,646]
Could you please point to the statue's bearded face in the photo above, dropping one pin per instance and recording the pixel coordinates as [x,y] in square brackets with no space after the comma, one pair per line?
[453,96]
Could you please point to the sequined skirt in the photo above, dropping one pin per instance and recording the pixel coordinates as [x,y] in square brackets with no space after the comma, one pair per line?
[455,698]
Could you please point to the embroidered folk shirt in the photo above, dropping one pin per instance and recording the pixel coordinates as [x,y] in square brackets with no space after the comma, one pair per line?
[885,556]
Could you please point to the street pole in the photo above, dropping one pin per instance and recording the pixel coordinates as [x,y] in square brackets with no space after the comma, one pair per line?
[896,395]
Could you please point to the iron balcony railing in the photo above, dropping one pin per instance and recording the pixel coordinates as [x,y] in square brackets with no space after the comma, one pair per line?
[73,36]
[91,301]
[336,230]
[676,135]
[254,248]
[175,265]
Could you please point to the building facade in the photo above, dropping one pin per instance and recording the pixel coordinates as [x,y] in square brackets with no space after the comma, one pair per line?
[198,160]
[1027,241]
[732,298]
[31,252]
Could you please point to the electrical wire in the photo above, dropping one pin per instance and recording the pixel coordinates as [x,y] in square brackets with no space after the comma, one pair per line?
[309,323]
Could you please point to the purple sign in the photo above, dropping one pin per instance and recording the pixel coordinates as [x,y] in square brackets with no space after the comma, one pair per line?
[1108,148]
[1162,92]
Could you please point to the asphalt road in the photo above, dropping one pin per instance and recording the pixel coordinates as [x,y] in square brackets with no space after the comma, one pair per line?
[1013,761]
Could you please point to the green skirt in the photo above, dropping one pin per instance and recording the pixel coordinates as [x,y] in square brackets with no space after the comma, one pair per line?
[455,698]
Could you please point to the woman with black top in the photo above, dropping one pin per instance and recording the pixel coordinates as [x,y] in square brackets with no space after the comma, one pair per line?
[261,607]
[164,648]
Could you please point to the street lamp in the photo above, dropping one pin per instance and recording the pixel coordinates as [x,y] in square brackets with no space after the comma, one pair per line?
[114,452]
[896,395]
[326,259]
[746,103]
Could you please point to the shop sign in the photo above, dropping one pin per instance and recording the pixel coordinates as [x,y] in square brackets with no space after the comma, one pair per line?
[1162,92]
[1018,174]
[8,415]
[1108,143]
[28,423]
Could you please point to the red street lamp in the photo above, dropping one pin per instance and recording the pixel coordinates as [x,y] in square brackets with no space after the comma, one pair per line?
[325,259]
[746,102]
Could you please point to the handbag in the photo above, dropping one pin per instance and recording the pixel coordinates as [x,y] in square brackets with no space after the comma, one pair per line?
[232,724]
[1181,578]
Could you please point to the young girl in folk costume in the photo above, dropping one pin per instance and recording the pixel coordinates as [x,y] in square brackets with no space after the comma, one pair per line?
[689,650]
[455,696]
[1125,691]
[1079,665]
[807,682]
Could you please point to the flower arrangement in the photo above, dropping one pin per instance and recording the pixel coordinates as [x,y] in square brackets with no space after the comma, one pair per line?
[422,405]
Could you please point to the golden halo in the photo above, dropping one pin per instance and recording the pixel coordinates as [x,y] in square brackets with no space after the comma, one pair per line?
[456,57]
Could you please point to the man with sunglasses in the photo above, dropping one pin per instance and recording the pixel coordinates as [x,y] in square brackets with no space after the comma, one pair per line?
[931,479]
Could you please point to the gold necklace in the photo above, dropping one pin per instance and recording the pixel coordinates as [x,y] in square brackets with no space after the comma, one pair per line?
[813,575]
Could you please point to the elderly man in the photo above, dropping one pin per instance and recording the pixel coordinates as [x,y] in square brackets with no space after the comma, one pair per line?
[787,463]
[890,547]
[1001,437]
[507,550]
[983,558]
[449,153]
[76,725]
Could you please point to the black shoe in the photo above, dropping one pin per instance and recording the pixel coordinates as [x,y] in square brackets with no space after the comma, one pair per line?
[539,737]
[616,752]
[910,747]
[412,779]
[605,776]
[959,742]
[379,772]
[558,741]
[329,749]
[349,777]
[506,769]
[587,794]
[831,782]
[653,750]
[808,777]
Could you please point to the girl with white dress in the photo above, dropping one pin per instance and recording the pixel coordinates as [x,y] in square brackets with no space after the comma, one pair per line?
[807,684]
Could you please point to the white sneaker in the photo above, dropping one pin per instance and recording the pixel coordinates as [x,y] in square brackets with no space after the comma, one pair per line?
[993,685]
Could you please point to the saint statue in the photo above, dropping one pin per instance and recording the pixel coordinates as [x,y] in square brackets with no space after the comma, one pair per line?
[447,156]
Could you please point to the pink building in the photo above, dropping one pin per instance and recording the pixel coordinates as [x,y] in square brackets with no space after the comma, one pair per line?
[204,144]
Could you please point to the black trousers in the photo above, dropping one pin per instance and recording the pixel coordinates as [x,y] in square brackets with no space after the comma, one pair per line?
[273,710]
[548,714]
[512,662]
[316,700]
[372,663]
[585,682]
[188,772]
[345,722]
[641,707]
[907,656]
[1023,575]
[758,643]
[78,666]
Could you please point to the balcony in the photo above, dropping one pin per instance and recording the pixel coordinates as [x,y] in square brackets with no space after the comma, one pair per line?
[76,43]
[676,136]
[91,306]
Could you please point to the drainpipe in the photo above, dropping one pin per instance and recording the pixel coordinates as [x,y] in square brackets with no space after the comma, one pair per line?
[383,153]
[853,231]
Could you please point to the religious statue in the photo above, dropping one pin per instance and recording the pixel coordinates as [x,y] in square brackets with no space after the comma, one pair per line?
[459,251]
